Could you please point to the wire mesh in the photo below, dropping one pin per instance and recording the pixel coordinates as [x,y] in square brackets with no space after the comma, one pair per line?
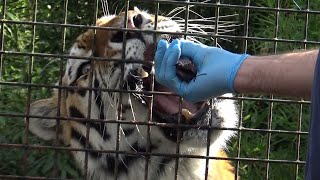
[271,134]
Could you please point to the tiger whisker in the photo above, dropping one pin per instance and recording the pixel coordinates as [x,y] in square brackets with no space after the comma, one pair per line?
[157,162]
[136,77]
[174,10]
[123,162]
[107,86]
[177,13]
[103,7]
[134,119]
[107,7]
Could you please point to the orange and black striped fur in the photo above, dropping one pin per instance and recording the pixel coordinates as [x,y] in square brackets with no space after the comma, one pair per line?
[133,138]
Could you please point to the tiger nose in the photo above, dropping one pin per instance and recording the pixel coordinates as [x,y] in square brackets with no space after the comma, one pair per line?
[137,20]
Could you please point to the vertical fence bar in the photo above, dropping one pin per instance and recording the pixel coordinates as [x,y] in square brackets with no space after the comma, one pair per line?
[30,69]
[119,113]
[178,141]
[241,103]
[306,23]
[3,16]
[179,133]
[277,14]
[216,28]
[212,104]
[61,73]
[269,137]
[88,124]
[212,101]
[298,141]
[150,103]
[186,18]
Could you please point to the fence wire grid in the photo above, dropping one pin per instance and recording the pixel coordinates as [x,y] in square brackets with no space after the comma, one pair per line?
[271,138]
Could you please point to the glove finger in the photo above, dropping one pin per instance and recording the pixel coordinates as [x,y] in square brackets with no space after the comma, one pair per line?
[175,53]
[159,55]
[162,73]
[189,92]
[165,70]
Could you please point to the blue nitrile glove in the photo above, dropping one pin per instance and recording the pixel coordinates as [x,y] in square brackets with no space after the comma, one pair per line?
[216,69]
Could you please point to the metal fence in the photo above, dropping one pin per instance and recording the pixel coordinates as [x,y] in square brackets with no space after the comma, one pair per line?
[272,135]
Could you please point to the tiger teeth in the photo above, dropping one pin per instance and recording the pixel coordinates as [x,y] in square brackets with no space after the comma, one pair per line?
[187,114]
[143,73]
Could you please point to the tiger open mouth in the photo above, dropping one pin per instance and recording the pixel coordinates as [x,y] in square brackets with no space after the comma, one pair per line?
[167,107]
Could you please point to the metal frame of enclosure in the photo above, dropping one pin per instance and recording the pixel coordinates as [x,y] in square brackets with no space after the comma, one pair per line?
[244,37]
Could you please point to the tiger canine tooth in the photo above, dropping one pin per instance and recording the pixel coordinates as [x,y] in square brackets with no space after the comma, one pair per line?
[187,114]
[143,73]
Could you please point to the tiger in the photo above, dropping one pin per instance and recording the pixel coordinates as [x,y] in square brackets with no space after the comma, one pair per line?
[115,120]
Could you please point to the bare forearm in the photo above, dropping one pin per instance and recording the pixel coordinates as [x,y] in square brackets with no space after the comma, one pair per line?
[286,75]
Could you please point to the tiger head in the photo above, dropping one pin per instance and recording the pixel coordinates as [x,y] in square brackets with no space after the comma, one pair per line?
[98,113]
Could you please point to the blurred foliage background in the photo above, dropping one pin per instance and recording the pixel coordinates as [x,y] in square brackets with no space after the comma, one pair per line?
[17,68]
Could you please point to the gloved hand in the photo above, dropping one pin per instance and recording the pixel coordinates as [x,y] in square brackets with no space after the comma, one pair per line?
[216,69]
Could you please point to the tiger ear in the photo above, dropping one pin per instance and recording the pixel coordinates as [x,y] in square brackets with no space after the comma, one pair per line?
[101,35]
[41,127]
[136,9]
[100,41]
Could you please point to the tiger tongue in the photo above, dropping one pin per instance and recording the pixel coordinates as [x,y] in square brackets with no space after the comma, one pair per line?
[170,105]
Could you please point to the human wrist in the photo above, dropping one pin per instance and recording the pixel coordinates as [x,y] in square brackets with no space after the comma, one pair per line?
[244,79]
[256,75]
[234,71]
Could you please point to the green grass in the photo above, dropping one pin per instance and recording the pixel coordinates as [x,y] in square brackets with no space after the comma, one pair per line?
[28,161]
[282,146]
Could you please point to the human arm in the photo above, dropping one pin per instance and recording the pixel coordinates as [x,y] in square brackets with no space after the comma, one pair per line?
[289,74]
[220,71]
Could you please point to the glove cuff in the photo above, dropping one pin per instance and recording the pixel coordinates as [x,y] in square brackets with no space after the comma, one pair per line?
[234,71]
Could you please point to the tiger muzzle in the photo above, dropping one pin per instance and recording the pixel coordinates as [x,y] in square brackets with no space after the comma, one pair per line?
[168,108]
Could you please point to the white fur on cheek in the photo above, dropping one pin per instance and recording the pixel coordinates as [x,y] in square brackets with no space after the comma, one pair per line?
[73,64]
[167,26]
[135,49]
